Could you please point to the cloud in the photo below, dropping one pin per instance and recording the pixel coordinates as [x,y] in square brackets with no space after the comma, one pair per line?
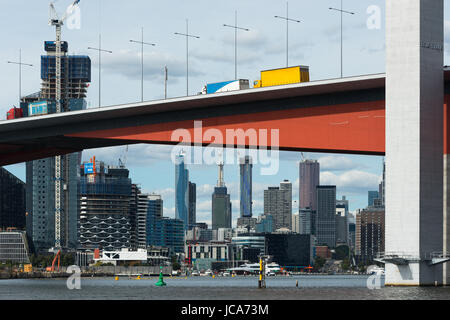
[337,163]
[354,181]
[140,155]
[128,64]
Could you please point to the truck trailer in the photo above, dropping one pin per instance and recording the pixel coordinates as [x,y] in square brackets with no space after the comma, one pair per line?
[276,77]
[225,86]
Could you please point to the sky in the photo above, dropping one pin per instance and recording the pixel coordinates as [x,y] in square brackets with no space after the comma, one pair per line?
[314,42]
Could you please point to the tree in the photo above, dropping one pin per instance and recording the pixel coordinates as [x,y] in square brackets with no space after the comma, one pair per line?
[319,262]
[345,265]
[341,252]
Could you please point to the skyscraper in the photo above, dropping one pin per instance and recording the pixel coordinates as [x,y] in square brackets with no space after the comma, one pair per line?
[369,233]
[221,204]
[309,180]
[325,217]
[278,203]
[40,174]
[192,205]
[181,191]
[105,198]
[246,186]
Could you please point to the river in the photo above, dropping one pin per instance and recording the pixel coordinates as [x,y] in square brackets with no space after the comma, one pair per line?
[311,287]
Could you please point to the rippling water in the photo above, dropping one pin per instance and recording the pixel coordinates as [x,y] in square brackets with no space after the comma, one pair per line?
[205,288]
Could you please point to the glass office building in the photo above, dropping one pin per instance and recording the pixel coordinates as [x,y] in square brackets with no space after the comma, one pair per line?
[12,201]
[246,186]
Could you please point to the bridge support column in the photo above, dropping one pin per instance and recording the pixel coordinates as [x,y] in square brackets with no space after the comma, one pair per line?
[414,139]
[446,222]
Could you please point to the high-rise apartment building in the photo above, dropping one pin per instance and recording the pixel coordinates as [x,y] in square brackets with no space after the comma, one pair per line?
[369,233]
[246,186]
[278,203]
[325,216]
[221,204]
[141,220]
[308,181]
[105,197]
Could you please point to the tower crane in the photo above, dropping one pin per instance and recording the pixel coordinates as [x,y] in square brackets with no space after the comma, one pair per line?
[54,20]
[123,160]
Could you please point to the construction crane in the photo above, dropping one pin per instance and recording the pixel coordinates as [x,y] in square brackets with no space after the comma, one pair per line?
[58,23]
[123,161]
[57,256]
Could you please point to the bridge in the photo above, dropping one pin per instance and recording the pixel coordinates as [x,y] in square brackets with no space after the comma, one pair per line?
[403,114]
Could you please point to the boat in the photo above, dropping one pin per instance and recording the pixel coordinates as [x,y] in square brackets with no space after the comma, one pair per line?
[271,268]
[375,270]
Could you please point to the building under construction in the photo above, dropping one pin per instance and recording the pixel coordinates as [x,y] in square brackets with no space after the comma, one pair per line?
[75,74]
[41,225]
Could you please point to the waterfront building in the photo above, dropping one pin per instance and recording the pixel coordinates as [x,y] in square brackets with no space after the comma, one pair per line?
[250,241]
[325,217]
[278,203]
[162,231]
[105,197]
[221,204]
[12,201]
[309,175]
[290,251]
[246,187]
[370,233]
[14,246]
[143,201]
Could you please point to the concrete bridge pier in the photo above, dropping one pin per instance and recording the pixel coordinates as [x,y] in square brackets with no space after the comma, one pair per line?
[414,140]
[446,219]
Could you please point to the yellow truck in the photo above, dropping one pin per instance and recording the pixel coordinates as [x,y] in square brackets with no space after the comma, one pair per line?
[276,77]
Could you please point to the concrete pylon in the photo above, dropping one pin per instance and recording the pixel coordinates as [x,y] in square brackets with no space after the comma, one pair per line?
[446,222]
[414,140]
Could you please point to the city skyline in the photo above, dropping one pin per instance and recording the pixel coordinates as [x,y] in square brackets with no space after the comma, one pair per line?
[353,175]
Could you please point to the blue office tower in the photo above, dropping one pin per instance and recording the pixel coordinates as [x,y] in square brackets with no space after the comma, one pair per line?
[181,191]
[246,187]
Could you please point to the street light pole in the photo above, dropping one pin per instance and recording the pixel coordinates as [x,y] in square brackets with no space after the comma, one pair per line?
[187,35]
[142,60]
[100,50]
[235,27]
[342,12]
[20,63]
[287,31]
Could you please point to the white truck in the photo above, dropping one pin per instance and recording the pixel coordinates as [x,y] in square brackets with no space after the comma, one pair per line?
[225,86]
